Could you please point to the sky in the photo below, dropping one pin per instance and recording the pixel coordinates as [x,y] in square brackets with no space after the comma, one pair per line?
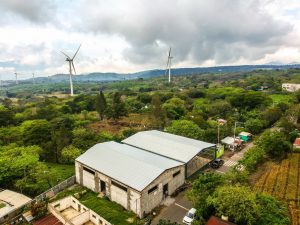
[135,35]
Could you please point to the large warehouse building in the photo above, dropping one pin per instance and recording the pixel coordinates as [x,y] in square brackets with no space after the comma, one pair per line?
[144,170]
[193,153]
[136,179]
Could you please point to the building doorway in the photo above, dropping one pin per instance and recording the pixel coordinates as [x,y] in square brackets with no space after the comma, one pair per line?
[102,186]
[165,190]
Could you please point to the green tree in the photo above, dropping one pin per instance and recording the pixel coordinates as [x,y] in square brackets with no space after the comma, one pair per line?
[101,104]
[253,157]
[16,162]
[255,126]
[202,188]
[69,154]
[185,128]
[36,132]
[84,138]
[158,114]
[274,144]
[272,114]
[6,116]
[38,179]
[117,108]
[272,211]
[61,134]
[237,202]
[175,108]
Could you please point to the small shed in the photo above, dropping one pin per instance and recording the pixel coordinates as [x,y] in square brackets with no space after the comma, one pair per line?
[231,143]
[245,136]
[296,143]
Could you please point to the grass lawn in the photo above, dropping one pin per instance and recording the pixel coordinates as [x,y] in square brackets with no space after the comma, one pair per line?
[278,98]
[61,172]
[111,211]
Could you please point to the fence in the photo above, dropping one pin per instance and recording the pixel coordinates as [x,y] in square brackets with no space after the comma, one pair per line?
[13,216]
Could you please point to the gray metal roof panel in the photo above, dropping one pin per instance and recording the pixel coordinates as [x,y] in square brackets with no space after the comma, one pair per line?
[126,164]
[169,145]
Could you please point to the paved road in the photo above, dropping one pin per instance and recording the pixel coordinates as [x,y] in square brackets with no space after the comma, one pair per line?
[176,211]
[232,161]
[178,207]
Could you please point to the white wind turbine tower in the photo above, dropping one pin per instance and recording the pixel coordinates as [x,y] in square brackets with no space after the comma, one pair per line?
[33,80]
[16,76]
[71,67]
[169,65]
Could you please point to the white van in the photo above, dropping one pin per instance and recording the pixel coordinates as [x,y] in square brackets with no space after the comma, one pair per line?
[189,217]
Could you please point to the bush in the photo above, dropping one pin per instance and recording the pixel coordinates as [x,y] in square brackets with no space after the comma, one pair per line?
[252,158]
[255,126]
[69,154]
[237,202]
[272,211]
[274,144]
[185,128]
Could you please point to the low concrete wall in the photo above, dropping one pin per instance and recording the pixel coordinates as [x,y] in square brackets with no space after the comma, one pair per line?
[14,215]
[85,215]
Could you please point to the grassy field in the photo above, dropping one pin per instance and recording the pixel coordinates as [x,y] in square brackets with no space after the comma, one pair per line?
[111,211]
[282,181]
[278,98]
[61,171]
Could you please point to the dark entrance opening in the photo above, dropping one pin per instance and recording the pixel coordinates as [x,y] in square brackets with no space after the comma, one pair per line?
[102,186]
[165,190]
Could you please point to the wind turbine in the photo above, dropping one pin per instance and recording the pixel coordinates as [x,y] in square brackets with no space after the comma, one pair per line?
[16,76]
[33,80]
[71,67]
[168,68]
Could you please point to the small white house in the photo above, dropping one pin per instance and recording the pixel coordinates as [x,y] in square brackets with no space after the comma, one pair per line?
[290,87]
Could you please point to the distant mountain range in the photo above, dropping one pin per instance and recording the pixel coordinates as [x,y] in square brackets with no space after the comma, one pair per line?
[108,77]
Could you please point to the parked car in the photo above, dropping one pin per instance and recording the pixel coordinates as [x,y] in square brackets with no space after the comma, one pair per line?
[216,163]
[189,217]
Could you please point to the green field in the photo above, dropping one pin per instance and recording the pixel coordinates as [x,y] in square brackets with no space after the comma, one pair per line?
[111,211]
[282,98]
[60,173]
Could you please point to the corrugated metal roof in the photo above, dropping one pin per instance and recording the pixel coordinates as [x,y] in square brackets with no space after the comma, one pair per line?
[126,164]
[169,145]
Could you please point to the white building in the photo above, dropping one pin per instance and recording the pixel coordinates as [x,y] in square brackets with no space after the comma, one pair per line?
[193,153]
[136,179]
[143,171]
[290,87]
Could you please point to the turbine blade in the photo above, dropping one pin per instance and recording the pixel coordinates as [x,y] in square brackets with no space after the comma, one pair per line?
[170,52]
[73,67]
[76,52]
[65,54]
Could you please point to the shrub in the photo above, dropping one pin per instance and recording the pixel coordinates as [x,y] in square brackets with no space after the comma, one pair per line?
[253,157]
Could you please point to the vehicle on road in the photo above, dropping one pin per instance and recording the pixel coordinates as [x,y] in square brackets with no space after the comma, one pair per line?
[189,217]
[216,163]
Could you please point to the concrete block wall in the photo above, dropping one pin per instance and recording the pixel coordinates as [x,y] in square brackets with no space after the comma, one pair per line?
[154,199]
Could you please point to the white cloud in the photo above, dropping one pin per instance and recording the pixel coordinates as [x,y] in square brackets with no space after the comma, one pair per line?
[127,36]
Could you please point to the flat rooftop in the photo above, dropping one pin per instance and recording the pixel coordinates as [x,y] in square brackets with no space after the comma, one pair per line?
[12,200]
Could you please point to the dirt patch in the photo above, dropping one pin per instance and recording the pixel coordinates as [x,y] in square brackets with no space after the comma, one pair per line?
[133,121]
